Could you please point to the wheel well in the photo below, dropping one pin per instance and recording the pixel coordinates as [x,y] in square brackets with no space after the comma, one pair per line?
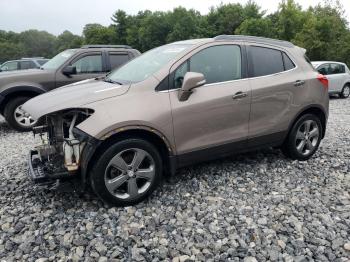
[315,111]
[151,137]
[9,96]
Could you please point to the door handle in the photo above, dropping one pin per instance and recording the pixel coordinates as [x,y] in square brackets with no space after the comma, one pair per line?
[299,83]
[239,95]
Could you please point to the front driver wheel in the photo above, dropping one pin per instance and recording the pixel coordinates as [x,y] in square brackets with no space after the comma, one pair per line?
[127,172]
[345,93]
[17,118]
[304,138]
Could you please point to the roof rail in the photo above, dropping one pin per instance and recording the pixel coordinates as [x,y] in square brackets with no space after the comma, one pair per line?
[107,46]
[254,39]
[39,57]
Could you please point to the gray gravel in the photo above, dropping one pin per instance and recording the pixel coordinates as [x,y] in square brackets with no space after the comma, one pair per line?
[253,207]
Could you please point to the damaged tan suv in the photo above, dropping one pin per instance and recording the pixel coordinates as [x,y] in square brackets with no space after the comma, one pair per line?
[176,105]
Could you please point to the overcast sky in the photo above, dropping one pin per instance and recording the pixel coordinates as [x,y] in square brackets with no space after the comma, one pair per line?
[55,16]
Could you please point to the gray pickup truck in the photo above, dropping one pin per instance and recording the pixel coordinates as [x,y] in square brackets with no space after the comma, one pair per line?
[69,66]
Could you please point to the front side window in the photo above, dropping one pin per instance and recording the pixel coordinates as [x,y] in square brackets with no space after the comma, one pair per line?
[217,63]
[265,61]
[89,64]
[324,69]
[9,66]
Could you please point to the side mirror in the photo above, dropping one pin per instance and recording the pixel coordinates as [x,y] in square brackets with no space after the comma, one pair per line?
[191,81]
[69,70]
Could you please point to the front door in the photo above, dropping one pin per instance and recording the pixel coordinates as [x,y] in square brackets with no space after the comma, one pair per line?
[89,65]
[216,115]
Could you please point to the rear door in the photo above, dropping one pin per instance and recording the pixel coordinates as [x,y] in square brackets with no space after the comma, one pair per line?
[339,76]
[88,65]
[278,87]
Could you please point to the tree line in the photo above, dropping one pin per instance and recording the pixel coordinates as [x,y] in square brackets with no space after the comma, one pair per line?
[322,30]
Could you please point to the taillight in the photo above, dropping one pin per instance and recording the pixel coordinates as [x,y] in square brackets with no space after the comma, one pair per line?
[323,79]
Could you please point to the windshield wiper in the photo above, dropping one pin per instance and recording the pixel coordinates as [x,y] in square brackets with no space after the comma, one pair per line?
[108,80]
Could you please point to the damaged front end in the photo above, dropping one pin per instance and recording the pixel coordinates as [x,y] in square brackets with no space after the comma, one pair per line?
[59,154]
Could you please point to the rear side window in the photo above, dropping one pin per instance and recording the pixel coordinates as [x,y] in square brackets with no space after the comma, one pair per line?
[268,61]
[336,69]
[27,64]
[41,62]
[117,59]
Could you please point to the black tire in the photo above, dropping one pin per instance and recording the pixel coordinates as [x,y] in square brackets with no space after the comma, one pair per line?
[289,147]
[100,168]
[345,92]
[9,113]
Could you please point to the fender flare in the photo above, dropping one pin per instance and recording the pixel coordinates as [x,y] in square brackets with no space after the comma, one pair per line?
[304,109]
[22,88]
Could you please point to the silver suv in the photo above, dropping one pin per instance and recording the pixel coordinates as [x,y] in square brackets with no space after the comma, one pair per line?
[338,75]
[176,105]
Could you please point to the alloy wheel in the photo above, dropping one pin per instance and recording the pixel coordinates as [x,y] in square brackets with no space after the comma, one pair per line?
[23,118]
[307,137]
[346,91]
[130,173]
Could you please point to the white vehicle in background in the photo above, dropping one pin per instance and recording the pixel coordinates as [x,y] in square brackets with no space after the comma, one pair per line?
[338,75]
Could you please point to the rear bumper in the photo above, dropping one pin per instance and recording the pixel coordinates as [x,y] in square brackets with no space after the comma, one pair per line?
[38,173]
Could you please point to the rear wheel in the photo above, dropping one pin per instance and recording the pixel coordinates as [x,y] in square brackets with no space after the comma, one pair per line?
[345,93]
[304,138]
[17,118]
[127,172]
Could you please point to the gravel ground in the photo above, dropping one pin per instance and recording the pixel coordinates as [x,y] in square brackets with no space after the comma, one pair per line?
[253,207]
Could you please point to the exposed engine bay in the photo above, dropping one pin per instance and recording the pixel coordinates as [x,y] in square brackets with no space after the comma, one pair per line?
[59,152]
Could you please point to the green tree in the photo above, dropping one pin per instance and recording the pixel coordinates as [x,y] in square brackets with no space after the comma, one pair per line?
[290,19]
[38,43]
[257,27]
[121,20]
[185,24]
[99,34]
[67,40]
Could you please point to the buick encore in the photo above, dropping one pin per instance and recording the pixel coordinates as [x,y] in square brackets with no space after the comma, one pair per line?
[176,105]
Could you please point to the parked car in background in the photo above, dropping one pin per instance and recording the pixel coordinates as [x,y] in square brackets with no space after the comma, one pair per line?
[338,75]
[176,105]
[68,67]
[24,63]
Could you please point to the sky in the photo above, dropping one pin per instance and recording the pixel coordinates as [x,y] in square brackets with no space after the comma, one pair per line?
[55,16]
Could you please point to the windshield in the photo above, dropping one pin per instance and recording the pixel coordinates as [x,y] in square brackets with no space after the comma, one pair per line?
[147,64]
[59,59]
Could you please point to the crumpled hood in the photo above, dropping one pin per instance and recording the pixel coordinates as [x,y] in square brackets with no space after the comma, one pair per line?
[77,95]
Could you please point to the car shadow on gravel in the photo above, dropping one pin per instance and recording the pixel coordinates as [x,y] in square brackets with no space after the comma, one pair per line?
[67,195]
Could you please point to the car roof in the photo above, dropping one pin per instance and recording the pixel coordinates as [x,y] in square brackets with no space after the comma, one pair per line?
[239,38]
[326,62]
